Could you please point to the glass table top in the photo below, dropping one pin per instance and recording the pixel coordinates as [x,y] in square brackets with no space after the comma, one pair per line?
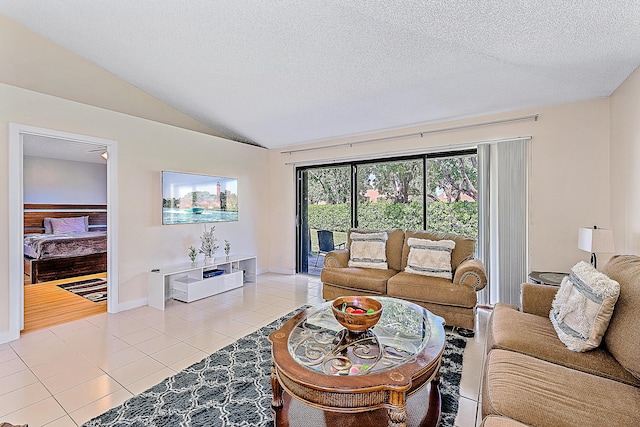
[321,344]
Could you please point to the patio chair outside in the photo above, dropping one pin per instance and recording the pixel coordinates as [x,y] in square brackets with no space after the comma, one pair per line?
[326,244]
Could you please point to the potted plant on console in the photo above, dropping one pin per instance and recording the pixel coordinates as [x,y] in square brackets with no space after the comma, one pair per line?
[208,245]
[193,254]
[227,248]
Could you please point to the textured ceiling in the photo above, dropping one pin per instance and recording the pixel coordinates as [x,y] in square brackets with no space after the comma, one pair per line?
[280,73]
[62,149]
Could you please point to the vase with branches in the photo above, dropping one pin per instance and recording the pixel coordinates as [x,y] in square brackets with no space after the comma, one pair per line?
[208,245]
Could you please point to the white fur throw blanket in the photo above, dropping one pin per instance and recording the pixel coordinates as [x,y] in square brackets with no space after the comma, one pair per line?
[583,306]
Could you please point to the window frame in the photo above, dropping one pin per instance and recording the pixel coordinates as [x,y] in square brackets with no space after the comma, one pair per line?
[354,164]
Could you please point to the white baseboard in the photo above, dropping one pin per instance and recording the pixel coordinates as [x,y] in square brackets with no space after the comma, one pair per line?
[128,305]
[282,271]
[8,336]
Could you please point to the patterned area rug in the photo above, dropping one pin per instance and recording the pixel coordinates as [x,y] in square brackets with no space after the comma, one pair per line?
[450,374]
[93,289]
[232,388]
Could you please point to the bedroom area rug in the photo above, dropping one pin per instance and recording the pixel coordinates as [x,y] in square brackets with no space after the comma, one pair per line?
[232,387]
[95,290]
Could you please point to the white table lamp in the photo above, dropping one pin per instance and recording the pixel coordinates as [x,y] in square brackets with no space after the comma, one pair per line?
[595,240]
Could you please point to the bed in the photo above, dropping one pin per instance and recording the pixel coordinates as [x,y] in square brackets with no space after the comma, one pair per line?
[62,240]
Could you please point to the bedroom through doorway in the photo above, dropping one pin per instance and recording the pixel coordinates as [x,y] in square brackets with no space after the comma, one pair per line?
[65,214]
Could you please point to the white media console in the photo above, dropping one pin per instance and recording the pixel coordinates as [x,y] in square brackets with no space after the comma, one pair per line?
[187,282]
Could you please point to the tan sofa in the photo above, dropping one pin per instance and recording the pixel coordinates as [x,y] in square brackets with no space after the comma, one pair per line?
[531,377]
[455,300]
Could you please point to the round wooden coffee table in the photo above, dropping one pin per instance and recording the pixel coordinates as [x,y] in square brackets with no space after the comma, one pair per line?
[360,376]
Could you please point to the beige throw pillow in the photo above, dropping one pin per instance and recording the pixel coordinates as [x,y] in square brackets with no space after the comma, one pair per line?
[583,306]
[368,250]
[430,257]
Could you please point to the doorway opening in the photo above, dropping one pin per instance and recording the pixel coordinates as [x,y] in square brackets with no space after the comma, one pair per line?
[42,160]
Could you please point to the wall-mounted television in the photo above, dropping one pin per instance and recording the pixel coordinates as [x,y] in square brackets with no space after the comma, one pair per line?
[191,198]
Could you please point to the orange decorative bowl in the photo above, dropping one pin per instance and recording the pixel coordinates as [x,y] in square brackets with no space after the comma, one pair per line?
[346,313]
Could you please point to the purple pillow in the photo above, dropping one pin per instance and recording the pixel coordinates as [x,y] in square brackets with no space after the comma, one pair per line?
[69,225]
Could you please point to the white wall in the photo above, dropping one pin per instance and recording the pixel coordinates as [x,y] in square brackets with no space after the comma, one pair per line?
[64,181]
[569,183]
[625,165]
[145,148]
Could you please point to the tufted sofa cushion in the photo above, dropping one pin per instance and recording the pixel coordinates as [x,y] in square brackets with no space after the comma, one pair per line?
[495,421]
[368,280]
[541,394]
[416,288]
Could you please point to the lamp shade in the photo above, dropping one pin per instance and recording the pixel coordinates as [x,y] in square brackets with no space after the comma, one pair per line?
[596,240]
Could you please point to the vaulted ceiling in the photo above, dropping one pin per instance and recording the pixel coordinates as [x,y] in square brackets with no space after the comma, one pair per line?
[289,72]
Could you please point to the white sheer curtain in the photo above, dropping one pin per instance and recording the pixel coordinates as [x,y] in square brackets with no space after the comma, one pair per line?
[502,217]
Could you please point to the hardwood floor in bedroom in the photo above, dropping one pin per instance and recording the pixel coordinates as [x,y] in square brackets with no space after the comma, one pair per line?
[45,304]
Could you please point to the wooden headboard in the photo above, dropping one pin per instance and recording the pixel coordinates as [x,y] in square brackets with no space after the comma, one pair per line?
[34,215]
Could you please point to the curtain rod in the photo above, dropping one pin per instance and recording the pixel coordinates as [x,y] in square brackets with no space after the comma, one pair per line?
[533,117]
[417,151]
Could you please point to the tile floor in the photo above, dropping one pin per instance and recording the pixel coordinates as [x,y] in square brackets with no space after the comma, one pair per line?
[68,374]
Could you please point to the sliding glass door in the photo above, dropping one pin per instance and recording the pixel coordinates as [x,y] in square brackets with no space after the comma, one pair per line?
[390,195]
[435,192]
[452,195]
[324,213]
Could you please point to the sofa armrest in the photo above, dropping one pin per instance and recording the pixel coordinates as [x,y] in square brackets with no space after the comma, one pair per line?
[471,273]
[337,258]
[536,299]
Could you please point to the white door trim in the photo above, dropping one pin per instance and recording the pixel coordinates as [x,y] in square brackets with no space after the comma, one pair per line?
[16,219]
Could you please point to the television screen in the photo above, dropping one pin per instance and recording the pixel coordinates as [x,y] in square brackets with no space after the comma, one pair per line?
[189,198]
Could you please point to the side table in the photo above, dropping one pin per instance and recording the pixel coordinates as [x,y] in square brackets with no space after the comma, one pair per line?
[547,277]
